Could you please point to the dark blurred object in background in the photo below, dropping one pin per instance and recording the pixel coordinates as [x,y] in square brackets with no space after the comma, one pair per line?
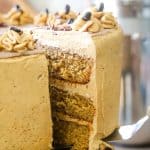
[129,8]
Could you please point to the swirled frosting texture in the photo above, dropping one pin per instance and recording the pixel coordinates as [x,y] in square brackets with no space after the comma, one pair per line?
[108,21]
[17,16]
[16,41]
[41,18]
[98,21]
[92,25]
[87,23]
[63,16]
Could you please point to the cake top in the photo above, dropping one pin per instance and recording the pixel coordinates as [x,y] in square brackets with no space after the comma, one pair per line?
[54,36]
[92,20]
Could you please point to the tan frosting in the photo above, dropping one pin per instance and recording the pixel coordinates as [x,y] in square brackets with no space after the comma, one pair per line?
[63,16]
[1,18]
[93,25]
[60,40]
[14,41]
[95,13]
[67,16]
[108,21]
[51,20]
[99,20]
[17,17]
[41,18]
[65,117]
[24,104]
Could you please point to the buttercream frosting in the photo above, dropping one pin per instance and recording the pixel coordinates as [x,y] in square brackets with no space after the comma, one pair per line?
[17,16]
[16,40]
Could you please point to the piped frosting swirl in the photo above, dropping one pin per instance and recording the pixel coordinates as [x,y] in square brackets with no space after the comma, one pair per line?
[108,21]
[17,16]
[97,11]
[41,18]
[65,15]
[16,40]
[86,23]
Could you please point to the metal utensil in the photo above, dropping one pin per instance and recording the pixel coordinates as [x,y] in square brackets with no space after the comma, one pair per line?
[137,134]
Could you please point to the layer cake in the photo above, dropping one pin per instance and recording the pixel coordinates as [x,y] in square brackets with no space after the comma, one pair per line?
[79,73]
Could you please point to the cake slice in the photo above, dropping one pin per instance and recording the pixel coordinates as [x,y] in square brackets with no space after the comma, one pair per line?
[25,111]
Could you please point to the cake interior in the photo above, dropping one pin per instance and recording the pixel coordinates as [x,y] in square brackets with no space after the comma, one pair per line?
[69,133]
[70,67]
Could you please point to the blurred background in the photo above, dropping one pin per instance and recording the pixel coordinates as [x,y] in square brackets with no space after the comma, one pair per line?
[134,17]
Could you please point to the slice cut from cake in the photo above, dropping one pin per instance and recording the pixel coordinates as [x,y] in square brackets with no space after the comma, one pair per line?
[24,104]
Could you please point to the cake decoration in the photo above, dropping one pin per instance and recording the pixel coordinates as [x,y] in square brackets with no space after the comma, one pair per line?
[100,6]
[51,20]
[17,16]
[16,40]
[63,16]
[87,23]
[41,18]
[108,21]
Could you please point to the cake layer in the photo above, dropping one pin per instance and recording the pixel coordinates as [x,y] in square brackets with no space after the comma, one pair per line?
[74,105]
[71,58]
[69,133]
[24,104]
[70,67]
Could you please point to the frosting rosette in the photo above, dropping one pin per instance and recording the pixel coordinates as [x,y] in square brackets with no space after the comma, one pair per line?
[108,21]
[16,40]
[17,16]
[86,23]
[41,18]
[65,15]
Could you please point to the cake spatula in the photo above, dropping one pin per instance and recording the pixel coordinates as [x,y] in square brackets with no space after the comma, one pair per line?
[135,135]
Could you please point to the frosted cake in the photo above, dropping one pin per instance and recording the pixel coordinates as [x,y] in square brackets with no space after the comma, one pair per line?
[74,74]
